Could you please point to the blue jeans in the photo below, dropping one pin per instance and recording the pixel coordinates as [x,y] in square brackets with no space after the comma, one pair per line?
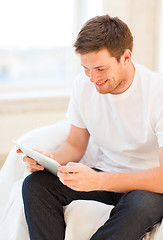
[44,197]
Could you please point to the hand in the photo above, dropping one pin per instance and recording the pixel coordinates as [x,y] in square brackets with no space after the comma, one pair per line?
[79,177]
[31,164]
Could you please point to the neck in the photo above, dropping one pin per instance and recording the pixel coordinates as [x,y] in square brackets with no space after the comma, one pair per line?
[127,79]
[130,73]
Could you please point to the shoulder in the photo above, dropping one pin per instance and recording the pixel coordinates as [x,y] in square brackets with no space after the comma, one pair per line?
[150,79]
[148,74]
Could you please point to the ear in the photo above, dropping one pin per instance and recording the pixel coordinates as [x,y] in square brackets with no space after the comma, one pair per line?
[126,57]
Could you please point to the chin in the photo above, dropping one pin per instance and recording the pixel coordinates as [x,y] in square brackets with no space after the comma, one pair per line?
[102,91]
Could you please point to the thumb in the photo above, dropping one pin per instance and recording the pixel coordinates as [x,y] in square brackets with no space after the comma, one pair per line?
[71,164]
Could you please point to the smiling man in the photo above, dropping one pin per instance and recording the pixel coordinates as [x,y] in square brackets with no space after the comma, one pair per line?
[120,105]
[106,72]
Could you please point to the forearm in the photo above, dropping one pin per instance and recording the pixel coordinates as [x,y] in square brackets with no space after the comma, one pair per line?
[149,180]
[74,147]
[67,153]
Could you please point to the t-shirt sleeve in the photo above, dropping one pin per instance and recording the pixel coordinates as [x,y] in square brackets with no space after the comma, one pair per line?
[159,120]
[159,131]
[73,112]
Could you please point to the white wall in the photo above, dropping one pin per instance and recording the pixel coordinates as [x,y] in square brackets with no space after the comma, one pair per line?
[142,16]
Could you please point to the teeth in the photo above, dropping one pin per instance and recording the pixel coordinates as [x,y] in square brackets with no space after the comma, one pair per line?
[100,83]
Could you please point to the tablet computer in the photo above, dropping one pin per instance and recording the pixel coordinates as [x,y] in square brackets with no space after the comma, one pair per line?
[50,164]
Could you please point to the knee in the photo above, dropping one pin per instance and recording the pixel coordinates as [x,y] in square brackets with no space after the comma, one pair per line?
[30,185]
[36,183]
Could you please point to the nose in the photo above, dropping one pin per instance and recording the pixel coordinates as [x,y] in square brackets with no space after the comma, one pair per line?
[93,76]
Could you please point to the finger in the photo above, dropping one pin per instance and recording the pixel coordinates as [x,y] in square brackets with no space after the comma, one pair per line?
[31,170]
[62,175]
[19,151]
[34,168]
[69,184]
[66,177]
[71,164]
[29,160]
[69,169]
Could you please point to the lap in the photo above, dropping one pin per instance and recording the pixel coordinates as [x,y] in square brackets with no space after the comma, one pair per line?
[45,180]
[144,199]
[137,198]
[133,204]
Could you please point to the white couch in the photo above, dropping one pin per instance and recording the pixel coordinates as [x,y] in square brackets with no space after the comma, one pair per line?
[82,218]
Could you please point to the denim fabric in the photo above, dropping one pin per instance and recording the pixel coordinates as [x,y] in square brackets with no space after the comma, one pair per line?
[44,197]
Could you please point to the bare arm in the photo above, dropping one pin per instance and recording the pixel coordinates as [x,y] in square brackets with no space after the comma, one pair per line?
[72,150]
[149,180]
[74,147]
[86,179]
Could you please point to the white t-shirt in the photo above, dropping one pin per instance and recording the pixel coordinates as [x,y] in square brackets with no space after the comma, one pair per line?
[128,127]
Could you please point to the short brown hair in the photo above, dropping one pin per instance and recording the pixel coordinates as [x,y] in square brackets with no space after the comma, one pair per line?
[104,32]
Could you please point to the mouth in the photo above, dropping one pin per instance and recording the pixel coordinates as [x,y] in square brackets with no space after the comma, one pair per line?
[101,84]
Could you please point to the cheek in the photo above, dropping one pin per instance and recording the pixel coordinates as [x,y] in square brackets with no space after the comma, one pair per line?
[107,75]
[112,74]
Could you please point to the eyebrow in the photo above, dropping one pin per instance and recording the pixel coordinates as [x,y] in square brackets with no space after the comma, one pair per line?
[94,67]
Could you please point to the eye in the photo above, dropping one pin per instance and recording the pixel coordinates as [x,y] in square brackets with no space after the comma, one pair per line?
[101,69]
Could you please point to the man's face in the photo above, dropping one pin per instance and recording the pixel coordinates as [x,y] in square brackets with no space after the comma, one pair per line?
[107,74]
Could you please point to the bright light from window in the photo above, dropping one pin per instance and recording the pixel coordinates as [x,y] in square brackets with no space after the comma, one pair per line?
[37,37]
[36,23]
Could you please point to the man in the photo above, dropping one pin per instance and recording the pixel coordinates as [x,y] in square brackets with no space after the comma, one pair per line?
[121,108]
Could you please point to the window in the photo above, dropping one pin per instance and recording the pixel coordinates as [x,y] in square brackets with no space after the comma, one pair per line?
[36,40]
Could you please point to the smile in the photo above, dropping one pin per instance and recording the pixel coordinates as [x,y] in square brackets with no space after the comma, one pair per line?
[100,84]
